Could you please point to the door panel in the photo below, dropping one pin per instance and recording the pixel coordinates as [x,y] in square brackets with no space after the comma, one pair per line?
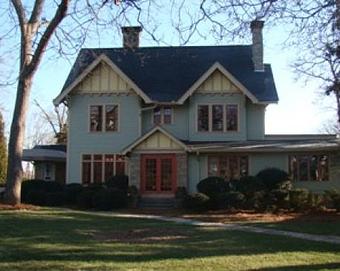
[158,173]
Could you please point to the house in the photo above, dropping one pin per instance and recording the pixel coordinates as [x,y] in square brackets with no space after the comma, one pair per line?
[49,162]
[170,116]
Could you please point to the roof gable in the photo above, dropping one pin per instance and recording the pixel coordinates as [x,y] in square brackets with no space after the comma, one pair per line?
[156,139]
[82,79]
[217,67]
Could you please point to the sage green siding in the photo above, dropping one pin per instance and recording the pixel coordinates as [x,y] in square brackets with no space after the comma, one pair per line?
[81,141]
[255,121]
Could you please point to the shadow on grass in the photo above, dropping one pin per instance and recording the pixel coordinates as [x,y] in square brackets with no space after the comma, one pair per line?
[71,237]
[310,267]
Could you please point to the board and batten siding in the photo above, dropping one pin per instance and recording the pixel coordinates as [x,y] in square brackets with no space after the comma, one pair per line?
[217,83]
[158,141]
[103,79]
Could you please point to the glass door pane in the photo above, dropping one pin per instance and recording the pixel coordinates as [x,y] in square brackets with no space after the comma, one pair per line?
[150,174]
[166,174]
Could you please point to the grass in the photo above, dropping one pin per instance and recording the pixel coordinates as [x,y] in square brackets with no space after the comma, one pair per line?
[325,227]
[52,239]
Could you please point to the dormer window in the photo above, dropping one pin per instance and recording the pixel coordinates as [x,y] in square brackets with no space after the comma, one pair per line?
[217,118]
[162,115]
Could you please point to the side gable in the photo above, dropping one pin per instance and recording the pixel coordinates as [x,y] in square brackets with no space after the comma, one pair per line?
[156,139]
[99,69]
[202,84]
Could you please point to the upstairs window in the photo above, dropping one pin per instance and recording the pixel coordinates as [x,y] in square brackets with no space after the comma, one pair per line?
[162,115]
[309,167]
[217,118]
[104,118]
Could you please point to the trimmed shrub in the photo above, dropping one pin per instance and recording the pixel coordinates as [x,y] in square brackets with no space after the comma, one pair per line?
[38,185]
[248,185]
[55,199]
[36,197]
[120,182]
[316,201]
[109,198]
[274,178]
[71,192]
[84,198]
[180,196]
[197,201]
[235,199]
[133,196]
[333,198]
[214,188]
[256,201]
[298,199]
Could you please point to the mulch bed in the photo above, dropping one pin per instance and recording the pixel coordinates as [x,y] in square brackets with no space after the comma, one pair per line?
[25,207]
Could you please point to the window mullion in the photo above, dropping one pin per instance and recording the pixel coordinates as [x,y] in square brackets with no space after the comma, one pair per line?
[210,118]
[114,164]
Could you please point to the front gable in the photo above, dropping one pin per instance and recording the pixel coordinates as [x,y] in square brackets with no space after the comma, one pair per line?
[217,79]
[103,79]
[157,139]
[217,82]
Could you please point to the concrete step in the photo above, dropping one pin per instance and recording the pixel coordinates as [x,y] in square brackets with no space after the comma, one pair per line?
[157,202]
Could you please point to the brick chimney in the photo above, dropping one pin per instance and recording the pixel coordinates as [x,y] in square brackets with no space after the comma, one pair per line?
[131,36]
[257,46]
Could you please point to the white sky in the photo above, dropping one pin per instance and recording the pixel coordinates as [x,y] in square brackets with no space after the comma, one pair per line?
[301,109]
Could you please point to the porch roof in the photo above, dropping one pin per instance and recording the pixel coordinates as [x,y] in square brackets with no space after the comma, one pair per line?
[271,143]
[51,153]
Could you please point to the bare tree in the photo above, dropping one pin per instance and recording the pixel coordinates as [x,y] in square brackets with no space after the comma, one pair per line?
[65,32]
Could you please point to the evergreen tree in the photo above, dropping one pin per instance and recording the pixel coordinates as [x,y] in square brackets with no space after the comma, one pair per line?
[3,152]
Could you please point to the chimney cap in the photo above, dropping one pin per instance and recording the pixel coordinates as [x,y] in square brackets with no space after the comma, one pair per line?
[131,28]
[256,24]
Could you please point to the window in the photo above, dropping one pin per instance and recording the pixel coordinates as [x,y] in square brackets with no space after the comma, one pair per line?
[97,168]
[309,167]
[232,117]
[203,118]
[229,167]
[217,118]
[162,115]
[104,118]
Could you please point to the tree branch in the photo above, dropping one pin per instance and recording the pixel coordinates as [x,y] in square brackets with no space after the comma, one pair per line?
[58,17]
[37,10]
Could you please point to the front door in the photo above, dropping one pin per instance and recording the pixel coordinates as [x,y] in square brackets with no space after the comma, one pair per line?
[158,173]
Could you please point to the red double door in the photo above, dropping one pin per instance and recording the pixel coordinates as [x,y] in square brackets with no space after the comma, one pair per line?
[158,173]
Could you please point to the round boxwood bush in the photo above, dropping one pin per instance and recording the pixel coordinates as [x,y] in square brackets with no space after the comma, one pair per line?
[212,186]
[235,199]
[274,178]
[248,185]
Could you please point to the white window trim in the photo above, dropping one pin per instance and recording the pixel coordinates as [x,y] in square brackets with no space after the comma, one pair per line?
[91,161]
[210,118]
[103,105]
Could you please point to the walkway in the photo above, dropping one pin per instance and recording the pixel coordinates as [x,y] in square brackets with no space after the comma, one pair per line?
[230,226]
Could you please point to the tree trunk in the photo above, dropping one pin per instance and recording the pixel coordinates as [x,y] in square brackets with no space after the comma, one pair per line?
[16,141]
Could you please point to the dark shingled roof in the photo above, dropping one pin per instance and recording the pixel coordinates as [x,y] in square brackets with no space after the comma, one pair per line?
[164,74]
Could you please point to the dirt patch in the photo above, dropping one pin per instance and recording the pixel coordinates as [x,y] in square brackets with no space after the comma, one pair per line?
[18,207]
[142,236]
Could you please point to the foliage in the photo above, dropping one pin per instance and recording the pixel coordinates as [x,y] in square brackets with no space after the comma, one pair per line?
[55,199]
[71,192]
[235,199]
[3,152]
[85,198]
[120,182]
[35,197]
[274,178]
[133,196]
[298,199]
[197,202]
[248,185]
[333,198]
[38,185]
[109,198]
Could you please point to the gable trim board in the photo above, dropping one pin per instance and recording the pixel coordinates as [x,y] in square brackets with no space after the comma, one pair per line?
[153,131]
[90,68]
[207,74]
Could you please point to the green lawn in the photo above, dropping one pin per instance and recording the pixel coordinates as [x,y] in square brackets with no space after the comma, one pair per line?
[58,240]
[323,227]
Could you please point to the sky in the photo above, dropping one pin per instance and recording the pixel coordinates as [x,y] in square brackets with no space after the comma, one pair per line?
[302,108]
